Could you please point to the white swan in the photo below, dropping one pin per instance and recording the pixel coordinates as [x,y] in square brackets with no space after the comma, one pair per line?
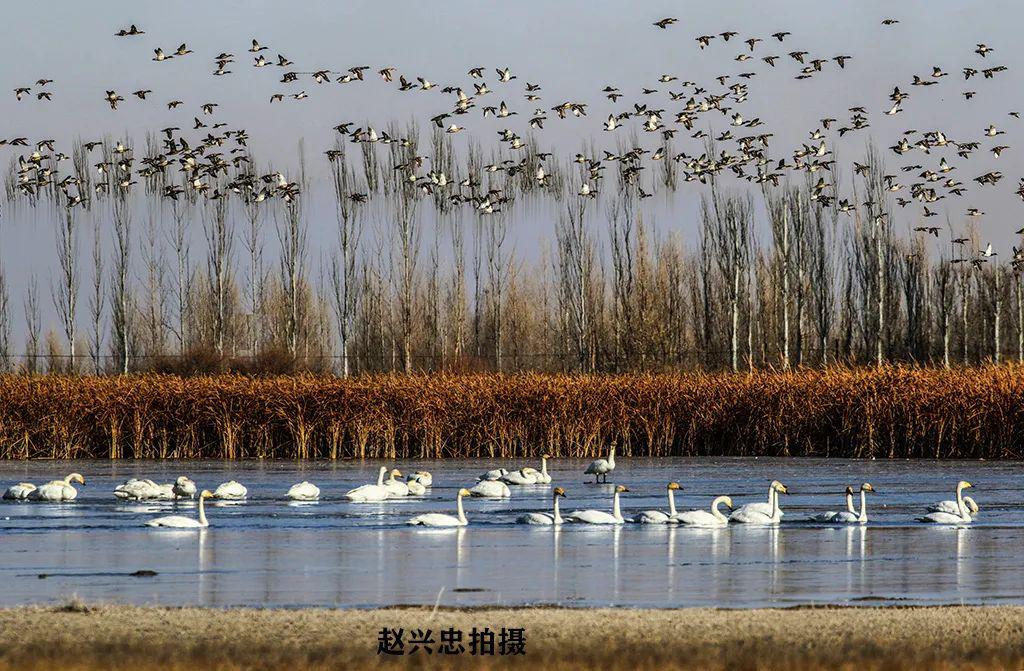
[545,518]
[137,489]
[230,491]
[182,522]
[19,492]
[415,488]
[830,515]
[949,506]
[184,487]
[422,477]
[377,492]
[753,513]
[703,518]
[57,490]
[304,491]
[524,476]
[396,488]
[493,474]
[442,520]
[656,516]
[602,467]
[491,489]
[846,517]
[543,478]
[962,516]
[600,516]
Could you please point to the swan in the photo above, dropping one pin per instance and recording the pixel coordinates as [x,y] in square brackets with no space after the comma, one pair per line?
[377,492]
[57,490]
[524,476]
[846,517]
[493,474]
[19,492]
[656,516]
[396,487]
[422,477]
[602,467]
[230,491]
[184,487]
[415,488]
[543,478]
[753,513]
[830,515]
[442,520]
[137,489]
[961,516]
[545,518]
[304,491]
[771,508]
[703,518]
[491,489]
[949,506]
[182,522]
[600,516]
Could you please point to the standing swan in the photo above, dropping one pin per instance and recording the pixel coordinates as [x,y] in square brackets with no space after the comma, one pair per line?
[703,518]
[600,516]
[544,518]
[377,492]
[57,490]
[830,515]
[602,467]
[962,516]
[753,513]
[182,522]
[442,520]
[656,516]
[847,517]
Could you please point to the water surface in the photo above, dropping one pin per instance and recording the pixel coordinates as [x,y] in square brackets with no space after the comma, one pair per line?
[269,552]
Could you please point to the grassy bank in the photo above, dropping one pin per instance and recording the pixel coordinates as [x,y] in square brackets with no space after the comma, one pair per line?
[889,412]
[831,638]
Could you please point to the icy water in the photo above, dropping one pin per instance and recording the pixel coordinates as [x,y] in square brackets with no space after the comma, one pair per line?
[269,552]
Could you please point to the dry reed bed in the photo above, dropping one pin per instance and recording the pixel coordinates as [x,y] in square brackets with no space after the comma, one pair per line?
[889,412]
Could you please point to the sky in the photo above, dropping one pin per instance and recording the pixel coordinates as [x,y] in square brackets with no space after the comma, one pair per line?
[572,48]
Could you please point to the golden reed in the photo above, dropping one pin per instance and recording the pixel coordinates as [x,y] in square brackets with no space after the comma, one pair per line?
[891,412]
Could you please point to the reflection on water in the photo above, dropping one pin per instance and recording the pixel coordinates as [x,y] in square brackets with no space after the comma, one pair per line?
[266,551]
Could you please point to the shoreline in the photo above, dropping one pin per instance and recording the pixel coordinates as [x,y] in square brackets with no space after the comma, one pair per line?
[805,637]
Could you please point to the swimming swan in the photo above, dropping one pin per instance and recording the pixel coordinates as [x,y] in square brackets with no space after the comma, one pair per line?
[846,517]
[377,492]
[962,516]
[490,489]
[703,518]
[949,506]
[230,491]
[600,516]
[545,518]
[602,467]
[656,516]
[753,513]
[57,490]
[442,520]
[304,491]
[830,515]
[182,522]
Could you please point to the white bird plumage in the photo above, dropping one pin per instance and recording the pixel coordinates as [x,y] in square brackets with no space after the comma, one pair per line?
[442,520]
[538,518]
[754,513]
[370,493]
[182,522]
[57,490]
[303,491]
[602,467]
[703,518]
[230,491]
[657,516]
[600,516]
[960,517]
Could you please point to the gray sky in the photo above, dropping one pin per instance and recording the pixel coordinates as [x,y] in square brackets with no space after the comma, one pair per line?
[572,48]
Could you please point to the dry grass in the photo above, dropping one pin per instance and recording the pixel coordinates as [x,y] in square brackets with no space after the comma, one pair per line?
[850,412]
[831,638]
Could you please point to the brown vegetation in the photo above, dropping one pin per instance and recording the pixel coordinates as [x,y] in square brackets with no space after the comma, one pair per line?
[848,412]
[827,638]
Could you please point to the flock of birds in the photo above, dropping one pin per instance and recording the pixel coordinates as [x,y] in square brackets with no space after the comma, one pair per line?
[494,484]
[662,109]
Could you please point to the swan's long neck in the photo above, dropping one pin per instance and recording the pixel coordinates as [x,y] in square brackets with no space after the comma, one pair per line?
[544,468]
[611,457]
[849,503]
[863,516]
[557,516]
[67,479]
[380,477]
[716,512]
[671,503]
[771,494]
[960,506]
[775,503]
[462,513]
[616,513]
[202,513]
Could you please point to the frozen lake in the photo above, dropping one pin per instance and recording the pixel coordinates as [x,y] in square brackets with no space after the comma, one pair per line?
[266,551]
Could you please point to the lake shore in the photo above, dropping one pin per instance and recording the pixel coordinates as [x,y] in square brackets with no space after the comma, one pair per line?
[81,636]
